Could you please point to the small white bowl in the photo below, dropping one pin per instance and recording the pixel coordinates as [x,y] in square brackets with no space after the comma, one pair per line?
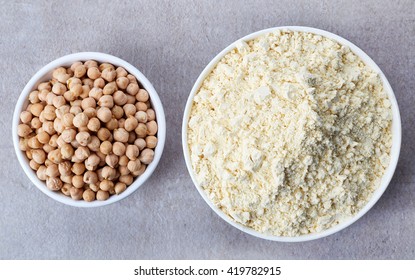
[45,74]
[396,135]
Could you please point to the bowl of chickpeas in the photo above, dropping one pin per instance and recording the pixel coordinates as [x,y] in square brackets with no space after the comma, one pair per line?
[89,129]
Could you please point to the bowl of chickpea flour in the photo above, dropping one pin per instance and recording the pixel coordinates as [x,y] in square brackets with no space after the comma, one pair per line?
[291,133]
[88,129]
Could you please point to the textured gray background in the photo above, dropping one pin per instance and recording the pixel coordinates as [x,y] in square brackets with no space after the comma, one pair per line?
[171,42]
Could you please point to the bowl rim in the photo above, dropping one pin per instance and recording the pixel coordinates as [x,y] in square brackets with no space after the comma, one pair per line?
[394,153]
[66,61]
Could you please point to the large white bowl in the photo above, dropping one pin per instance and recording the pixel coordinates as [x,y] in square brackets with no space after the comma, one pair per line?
[396,135]
[45,74]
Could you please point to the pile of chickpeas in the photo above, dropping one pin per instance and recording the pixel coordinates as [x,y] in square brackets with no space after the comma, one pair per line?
[89,131]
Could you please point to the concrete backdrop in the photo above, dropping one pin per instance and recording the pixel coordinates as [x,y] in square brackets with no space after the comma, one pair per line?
[171,42]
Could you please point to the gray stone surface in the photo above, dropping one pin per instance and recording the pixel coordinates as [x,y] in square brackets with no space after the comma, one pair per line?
[171,42]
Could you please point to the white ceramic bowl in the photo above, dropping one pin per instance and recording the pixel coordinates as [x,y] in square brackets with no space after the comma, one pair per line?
[45,74]
[396,135]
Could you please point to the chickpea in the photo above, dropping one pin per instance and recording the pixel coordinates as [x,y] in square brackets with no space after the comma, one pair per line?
[41,172]
[151,142]
[58,101]
[34,165]
[94,187]
[101,159]
[90,63]
[146,156]
[120,187]
[49,127]
[55,156]
[122,82]
[29,154]
[142,95]
[141,116]
[44,86]
[90,113]
[42,95]
[78,181]
[36,109]
[129,110]
[58,126]
[79,71]
[69,96]
[121,72]
[23,144]
[66,188]
[85,91]
[34,96]
[23,130]
[141,106]
[34,143]
[68,135]
[59,89]
[94,124]
[53,141]
[26,117]
[123,170]
[90,177]
[103,134]
[109,88]
[140,171]
[39,156]
[117,112]
[112,124]
[54,184]
[99,83]
[131,123]
[132,89]
[88,195]
[104,114]
[75,110]
[48,148]
[132,152]
[92,162]
[83,138]
[151,128]
[36,123]
[123,161]
[61,111]
[95,93]
[80,120]
[73,81]
[88,102]
[104,65]
[78,168]
[74,65]
[105,148]
[67,120]
[121,123]
[106,101]
[141,130]
[82,153]
[49,112]
[65,168]
[49,98]
[120,98]
[121,135]
[93,73]
[118,148]
[151,115]
[52,170]
[134,165]
[132,79]
[75,144]
[126,179]
[94,143]
[108,173]
[109,74]
[76,194]
[102,195]
[106,185]
[131,99]
[111,160]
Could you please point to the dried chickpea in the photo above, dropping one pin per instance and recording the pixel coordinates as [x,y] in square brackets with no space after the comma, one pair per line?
[74,65]
[61,111]
[95,93]
[68,135]
[58,101]
[134,165]
[94,143]
[106,185]
[75,110]
[34,143]
[23,130]
[29,154]
[41,172]
[88,102]
[34,165]
[99,83]
[93,72]
[105,147]
[132,89]
[101,158]
[140,171]
[104,65]
[36,123]
[67,120]
[118,148]
[132,79]
[103,134]
[120,98]
[49,112]
[131,99]
[83,138]
[141,106]
[80,120]
[126,179]
[123,170]
[151,128]
[82,153]
[151,115]
[78,181]
[39,156]
[53,141]
[104,114]
[151,141]
[123,161]
[44,86]
[109,88]
[52,170]
[141,130]
[58,126]
[34,96]
[90,63]
[75,144]
[129,110]
[49,127]
[121,135]
[90,177]
[142,95]
[121,123]
[59,88]
[76,194]
[106,101]
[94,187]
[23,144]
[130,123]
[36,109]
[26,117]
[121,72]
[72,82]
[48,148]
[146,156]
[141,116]
[85,91]
[132,152]
[90,113]
[49,98]
[55,156]
[78,168]
[109,74]
[122,82]
[108,173]
[54,184]
[66,188]
[117,112]
[65,168]
[111,160]
[112,124]
[120,187]
[88,195]
[94,124]
[79,71]
[92,162]
[102,195]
